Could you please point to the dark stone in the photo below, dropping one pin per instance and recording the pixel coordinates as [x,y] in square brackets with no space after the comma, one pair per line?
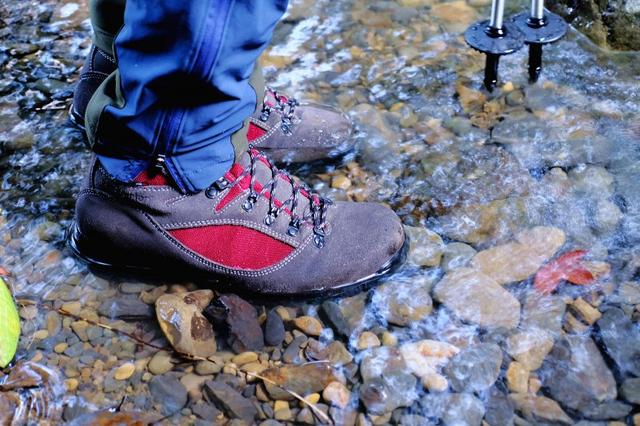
[631,390]
[74,410]
[273,329]
[621,339]
[610,410]
[576,375]
[128,308]
[291,355]
[332,315]
[230,401]
[205,411]
[240,321]
[499,408]
[475,368]
[167,391]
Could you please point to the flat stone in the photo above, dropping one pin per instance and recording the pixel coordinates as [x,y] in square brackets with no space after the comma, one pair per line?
[125,371]
[425,246]
[517,261]
[232,402]
[539,409]
[475,368]
[477,298]
[576,375]
[621,338]
[182,322]
[125,307]
[205,411]
[308,325]
[169,393]
[302,379]
[530,347]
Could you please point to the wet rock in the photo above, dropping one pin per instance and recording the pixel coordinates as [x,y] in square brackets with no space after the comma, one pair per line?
[475,369]
[302,379]
[308,325]
[477,298]
[332,314]
[335,352]
[205,411]
[425,246]
[405,303]
[125,371]
[628,293]
[425,357]
[517,378]
[519,260]
[529,347]
[543,313]
[367,340]
[160,363]
[539,409]
[456,255]
[621,338]
[499,408]
[384,394]
[273,329]
[230,401]
[631,390]
[168,392]
[576,375]
[336,394]
[291,355]
[240,321]
[125,307]
[182,322]
[454,408]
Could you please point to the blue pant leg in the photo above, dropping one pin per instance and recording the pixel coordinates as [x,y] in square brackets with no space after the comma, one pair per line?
[183,86]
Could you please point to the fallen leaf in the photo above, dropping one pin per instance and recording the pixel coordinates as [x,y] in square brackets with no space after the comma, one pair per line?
[568,266]
[9,326]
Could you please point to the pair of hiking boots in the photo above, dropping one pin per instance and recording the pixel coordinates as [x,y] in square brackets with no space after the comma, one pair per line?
[257,230]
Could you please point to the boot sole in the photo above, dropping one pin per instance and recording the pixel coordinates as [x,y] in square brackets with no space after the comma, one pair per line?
[225,283]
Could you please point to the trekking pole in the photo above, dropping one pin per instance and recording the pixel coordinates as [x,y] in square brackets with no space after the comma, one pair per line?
[539,27]
[494,38]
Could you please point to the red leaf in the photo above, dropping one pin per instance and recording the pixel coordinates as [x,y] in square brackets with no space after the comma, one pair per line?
[566,267]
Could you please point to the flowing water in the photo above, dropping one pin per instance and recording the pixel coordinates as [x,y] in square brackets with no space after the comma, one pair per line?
[490,187]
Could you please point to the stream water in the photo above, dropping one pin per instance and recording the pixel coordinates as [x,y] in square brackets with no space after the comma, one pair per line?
[490,187]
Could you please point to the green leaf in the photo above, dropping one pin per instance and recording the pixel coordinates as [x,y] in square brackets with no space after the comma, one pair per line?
[9,326]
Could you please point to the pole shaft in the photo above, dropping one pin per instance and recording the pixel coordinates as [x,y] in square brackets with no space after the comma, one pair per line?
[491,72]
[537,9]
[497,14]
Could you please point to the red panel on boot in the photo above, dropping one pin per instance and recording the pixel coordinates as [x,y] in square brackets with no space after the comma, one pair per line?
[234,246]
[255,132]
[147,179]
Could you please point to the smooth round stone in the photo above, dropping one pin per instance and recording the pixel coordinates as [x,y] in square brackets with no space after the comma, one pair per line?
[125,371]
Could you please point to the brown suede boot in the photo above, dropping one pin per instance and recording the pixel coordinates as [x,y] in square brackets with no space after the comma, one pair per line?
[287,130]
[256,231]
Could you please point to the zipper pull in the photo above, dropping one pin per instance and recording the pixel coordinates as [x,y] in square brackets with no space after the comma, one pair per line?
[159,165]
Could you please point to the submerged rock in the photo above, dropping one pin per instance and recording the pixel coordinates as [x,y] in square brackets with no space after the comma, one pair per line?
[169,393]
[475,368]
[543,312]
[530,347]
[425,357]
[182,322]
[519,260]
[576,375]
[302,379]
[621,338]
[477,298]
[231,401]
[539,409]
[454,408]
[425,246]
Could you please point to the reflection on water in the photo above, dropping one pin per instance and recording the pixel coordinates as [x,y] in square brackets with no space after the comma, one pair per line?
[491,187]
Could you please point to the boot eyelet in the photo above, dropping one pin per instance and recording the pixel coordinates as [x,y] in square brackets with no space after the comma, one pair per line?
[318,240]
[270,219]
[293,230]
[247,205]
[209,192]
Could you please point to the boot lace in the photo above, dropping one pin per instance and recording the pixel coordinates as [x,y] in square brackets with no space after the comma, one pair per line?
[284,105]
[300,193]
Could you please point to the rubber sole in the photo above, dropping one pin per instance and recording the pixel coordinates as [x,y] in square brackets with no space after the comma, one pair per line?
[224,283]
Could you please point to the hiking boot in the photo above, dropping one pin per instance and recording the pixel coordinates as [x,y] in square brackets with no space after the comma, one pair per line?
[256,231]
[287,130]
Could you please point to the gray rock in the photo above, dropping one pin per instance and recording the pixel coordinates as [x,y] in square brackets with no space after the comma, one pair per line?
[576,375]
[240,320]
[125,307]
[231,401]
[499,408]
[205,411]
[631,390]
[384,394]
[621,337]
[610,410]
[456,255]
[475,368]
[332,315]
[454,409]
[273,329]
[543,312]
[167,391]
